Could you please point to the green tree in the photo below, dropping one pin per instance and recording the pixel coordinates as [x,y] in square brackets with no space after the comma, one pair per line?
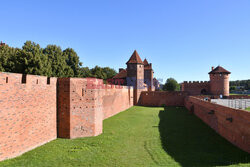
[171,85]
[72,61]
[85,72]
[57,61]
[7,58]
[30,60]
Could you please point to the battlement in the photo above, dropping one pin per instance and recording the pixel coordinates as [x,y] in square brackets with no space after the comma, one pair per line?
[196,82]
[23,79]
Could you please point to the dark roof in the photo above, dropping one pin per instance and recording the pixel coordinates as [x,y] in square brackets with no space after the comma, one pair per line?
[135,59]
[145,62]
[122,74]
[219,70]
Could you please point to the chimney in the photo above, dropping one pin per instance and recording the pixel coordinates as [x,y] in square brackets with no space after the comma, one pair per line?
[212,68]
[120,69]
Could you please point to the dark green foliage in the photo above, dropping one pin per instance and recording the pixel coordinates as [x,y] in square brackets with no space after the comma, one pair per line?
[73,61]
[57,62]
[51,61]
[244,83]
[102,73]
[171,85]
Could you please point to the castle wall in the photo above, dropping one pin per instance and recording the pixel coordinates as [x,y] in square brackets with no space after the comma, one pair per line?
[27,113]
[195,88]
[116,99]
[160,98]
[85,102]
[232,124]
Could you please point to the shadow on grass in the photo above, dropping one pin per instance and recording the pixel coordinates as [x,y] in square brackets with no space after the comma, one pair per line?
[192,143]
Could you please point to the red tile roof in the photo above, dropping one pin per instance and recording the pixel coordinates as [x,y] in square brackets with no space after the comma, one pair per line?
[135,59]
[122,74]
[145,62]
[219,70]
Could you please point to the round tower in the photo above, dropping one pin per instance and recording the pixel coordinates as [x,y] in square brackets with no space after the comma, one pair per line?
[219,81]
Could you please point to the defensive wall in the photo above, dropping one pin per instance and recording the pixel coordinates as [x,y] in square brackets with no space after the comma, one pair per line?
[232,124]
[36,109]
[162,98]
[196,87]
[27,113]
[85,102]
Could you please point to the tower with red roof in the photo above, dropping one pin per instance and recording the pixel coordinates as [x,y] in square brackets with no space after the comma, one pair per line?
[135,75]
[219,81]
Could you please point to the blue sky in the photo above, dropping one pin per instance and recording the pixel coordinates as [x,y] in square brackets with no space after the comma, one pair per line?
[182,38]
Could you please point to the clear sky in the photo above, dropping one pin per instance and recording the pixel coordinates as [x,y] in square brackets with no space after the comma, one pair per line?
[182,38]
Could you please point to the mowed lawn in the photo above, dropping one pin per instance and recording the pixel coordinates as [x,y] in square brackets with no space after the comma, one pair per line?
[141,136]
[248,109]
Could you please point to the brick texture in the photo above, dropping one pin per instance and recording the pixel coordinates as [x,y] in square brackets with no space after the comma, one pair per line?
[83,103]
[27,113]
[232,124]
[159,98]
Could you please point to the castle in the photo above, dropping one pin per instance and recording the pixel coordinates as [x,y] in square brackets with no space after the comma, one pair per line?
[218,84]
[137,74]
[37,109]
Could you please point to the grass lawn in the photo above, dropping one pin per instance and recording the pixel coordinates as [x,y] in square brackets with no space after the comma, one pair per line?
[248,109]
[141,136]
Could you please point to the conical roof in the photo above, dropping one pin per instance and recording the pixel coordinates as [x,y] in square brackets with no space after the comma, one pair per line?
[219,70]
[135,59]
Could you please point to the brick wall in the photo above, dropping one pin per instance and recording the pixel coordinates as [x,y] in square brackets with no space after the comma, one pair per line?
[159,98]
[116,99]
[232,124]
[27,113]
[83,103]
[195,87]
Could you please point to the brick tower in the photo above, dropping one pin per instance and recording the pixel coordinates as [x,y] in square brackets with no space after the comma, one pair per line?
[135,75]
[219,81]
[148,75]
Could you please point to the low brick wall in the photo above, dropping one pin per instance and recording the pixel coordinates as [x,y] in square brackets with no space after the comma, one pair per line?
[83,103]
[232,124]
[159,98]
[27,113]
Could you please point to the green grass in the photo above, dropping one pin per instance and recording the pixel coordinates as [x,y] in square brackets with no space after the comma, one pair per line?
[141,136]
[248,109]
[238,94]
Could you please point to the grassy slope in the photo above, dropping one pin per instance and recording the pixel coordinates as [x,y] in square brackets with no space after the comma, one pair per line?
[141,136]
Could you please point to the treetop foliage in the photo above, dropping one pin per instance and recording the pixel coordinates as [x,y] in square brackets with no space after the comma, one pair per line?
[171,85]
[51,61]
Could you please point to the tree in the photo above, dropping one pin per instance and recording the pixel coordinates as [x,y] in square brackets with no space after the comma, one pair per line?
[72,61]
[57,61]
[85,72]
[7,58]
[30,60]
[171,85]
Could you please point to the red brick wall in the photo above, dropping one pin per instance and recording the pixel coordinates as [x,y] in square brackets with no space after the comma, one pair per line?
[219,84]
[83,103]
[159,98]
[116,99]
[217,117]
[195,88]
[27,113]
[79,108]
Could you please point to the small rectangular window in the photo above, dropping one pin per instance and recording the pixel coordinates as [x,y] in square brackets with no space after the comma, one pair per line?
[7,79]
[48,81]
